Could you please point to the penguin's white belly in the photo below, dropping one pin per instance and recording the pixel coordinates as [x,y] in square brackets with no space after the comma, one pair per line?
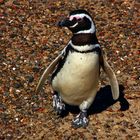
[78,78]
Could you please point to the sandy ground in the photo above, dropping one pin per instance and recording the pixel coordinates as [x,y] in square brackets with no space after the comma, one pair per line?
[30,40]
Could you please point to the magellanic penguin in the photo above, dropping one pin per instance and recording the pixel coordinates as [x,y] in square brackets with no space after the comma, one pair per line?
[75,72]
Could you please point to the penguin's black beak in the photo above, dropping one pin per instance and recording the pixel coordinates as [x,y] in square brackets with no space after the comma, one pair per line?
[65,23]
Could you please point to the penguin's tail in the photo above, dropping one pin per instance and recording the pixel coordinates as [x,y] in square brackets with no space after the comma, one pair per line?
[111,75]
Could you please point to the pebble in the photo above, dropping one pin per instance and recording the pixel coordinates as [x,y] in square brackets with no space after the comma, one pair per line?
[14,68]
[6,94]
[4,63]
[1,1]
[18,85]
[45,47]
[30,78]
[2,107]
[18,91]
[118,72]
[122,59]
[25,61]
[25,97]
[125,56]
[17,119]
[10,21]
[36,68]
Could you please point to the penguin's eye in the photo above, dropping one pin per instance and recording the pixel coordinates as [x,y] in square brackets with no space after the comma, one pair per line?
[74,19]
[79,19]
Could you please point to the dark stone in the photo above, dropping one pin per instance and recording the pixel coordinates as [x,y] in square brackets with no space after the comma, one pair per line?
[36,68]
[30,78]
[45,47]
[18,85]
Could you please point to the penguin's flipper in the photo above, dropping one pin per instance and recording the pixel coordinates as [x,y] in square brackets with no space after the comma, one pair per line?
[112,77]
[46,73]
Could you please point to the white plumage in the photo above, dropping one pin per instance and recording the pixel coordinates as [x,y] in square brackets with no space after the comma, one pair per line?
[78,78]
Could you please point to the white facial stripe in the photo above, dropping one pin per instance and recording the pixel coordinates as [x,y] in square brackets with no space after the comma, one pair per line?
[74,25]
[78,16]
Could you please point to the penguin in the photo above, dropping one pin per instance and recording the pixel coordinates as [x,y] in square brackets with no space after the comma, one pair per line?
[76,70]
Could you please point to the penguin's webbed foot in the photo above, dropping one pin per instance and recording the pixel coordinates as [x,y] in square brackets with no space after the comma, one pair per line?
[58,105]
[80,120]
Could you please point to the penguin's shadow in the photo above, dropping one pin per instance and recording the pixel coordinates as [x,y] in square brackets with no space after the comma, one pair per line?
[102,101]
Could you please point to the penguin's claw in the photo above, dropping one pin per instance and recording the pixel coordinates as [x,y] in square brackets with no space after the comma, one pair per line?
[58,105]
[80,120]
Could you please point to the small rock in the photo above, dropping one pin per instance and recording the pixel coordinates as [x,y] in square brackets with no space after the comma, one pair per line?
[18,91]
[45,47]
[11,90]
[1,1]
[14,68]
[35,107]
[2,107]
[122,59]
[17,119]
[36,68]
[18,85]
[118,72]
[30,78]
[6,94]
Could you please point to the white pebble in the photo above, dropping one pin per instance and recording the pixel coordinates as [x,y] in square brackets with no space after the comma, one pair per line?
[17,119]
[14,68]
[122,59]
[118,72]
[18,91]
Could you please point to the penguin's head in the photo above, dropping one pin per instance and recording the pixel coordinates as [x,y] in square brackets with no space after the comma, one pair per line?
[78,21]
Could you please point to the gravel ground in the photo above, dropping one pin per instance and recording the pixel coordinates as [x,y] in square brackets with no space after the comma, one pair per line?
[30,40]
